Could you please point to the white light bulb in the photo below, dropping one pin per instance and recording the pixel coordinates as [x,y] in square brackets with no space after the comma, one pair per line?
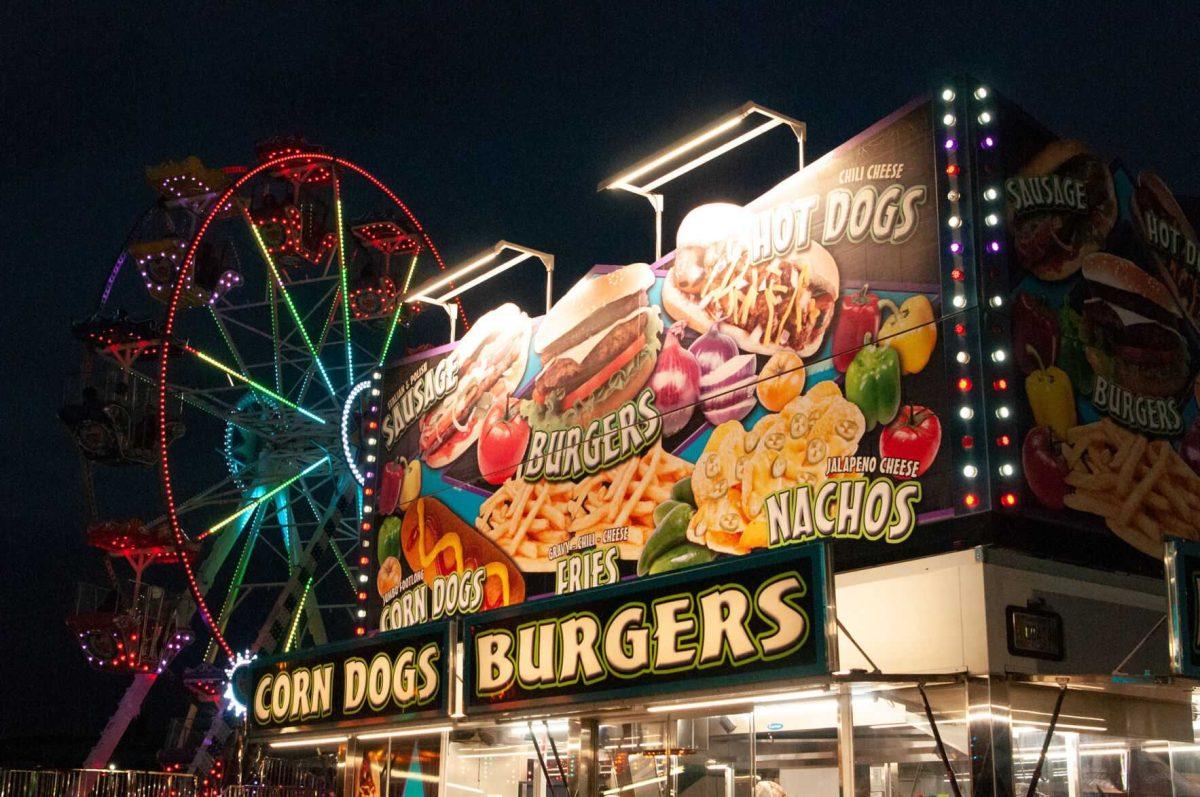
[370,457]
[362,578]
[362,612]
[953,196]
[959,301]
[970,471]
[955,222]
[997,300]
[981,93]
[963,358]
[966,413]
[366,509]
[984,118]
[991,219]
[1002,412]
[999,356]
[948,95]
[376,375]
[1006,469]
[991,193]
[374,391]
[948,120]
[372,441]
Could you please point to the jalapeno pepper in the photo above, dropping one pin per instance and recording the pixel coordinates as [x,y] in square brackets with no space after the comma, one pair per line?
[858,316]
[1050,396]
[873,382]
[910,331]
[1071,357]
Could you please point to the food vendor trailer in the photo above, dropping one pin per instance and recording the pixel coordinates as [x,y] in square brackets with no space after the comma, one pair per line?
[866,488]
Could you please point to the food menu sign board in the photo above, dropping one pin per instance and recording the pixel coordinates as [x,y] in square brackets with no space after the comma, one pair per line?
[781,377]
[399,676]
[1105,310]
[754,618]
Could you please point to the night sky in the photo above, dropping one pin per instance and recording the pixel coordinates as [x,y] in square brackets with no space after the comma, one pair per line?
[490,124]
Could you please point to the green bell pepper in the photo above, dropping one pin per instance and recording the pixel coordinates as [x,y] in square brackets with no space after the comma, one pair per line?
[873,382]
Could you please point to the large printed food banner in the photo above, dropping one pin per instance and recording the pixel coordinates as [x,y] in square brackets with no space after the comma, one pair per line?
[1105,312]
[778,378]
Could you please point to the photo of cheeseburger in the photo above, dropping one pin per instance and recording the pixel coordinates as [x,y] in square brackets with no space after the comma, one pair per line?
[491,360]
[598,346]
[1131,328]
[1062,206]
[780,302]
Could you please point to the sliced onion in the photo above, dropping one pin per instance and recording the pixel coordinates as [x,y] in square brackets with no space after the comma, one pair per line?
[727,392]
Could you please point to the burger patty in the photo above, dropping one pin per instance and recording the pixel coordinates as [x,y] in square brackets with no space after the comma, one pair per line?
[595,322]
[565,375]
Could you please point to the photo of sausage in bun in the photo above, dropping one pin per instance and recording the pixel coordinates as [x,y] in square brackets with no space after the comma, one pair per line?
[780,302]
[1062,206]
[598,346]
[491,360]
[1131,328]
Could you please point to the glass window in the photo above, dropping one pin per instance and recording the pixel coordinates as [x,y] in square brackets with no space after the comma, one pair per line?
[796,749]
[519,760]
[895,751]
[414,766]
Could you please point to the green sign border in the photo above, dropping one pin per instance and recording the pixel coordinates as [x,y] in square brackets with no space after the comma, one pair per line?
[820,632]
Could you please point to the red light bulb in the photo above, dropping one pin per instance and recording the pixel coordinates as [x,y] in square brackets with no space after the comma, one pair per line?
[971,500]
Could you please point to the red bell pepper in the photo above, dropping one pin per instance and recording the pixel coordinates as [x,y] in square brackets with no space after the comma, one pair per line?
[1034,325]
[858,316]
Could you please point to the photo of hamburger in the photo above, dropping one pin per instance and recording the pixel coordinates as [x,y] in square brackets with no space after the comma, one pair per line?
[1062,207]
[780,302]
[1130,328]
[491,360]
[598,346]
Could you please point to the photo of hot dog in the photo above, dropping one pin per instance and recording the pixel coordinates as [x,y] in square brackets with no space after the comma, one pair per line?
[437,543]
[777,302]
[490,360]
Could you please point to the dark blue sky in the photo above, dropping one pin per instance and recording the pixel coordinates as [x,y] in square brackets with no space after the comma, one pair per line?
[491,123]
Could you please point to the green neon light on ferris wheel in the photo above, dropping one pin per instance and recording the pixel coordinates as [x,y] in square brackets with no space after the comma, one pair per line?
[291,640]
[345,281]
[287,299]
[387,342]
[264,497]
[215,363]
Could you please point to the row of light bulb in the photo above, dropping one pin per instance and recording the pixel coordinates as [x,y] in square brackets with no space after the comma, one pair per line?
[367,509]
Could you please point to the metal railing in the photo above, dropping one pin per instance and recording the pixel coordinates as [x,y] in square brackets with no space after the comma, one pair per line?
[277,791]
[94,783]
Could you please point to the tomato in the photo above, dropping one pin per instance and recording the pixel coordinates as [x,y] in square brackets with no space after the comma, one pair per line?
[1045,468]
[601,377]
[502,442]
[915,434]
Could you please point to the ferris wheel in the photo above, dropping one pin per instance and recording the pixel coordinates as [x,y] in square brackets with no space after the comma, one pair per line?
[227,368]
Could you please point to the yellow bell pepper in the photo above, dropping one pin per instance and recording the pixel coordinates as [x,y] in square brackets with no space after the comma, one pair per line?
[910,330]
[1051,397]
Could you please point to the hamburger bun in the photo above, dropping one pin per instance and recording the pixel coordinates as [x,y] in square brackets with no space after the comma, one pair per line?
[1117,272]
[583,300]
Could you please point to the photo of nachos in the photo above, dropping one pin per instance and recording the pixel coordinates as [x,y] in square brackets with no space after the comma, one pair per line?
[740,468]
[528,519]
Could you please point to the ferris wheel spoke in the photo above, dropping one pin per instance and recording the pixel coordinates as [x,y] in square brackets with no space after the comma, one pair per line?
[223,546]
[266,391]
[343,276]
[237,355]
[213,529]
[294,626]
[287,299]
[321,346]
[387,341]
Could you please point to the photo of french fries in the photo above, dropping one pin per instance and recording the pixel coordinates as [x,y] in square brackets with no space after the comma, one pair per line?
[1142,489]
[528,519]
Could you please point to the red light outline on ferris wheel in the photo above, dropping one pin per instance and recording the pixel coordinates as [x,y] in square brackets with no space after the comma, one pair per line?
[169,326]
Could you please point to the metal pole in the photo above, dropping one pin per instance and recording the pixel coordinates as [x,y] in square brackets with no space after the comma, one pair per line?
[937,738]
[1037,771]
[845,743]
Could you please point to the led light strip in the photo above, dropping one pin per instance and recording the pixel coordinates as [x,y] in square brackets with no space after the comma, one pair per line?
[264,390]
[264,497]
[346,408]
[287,299]
[345,280]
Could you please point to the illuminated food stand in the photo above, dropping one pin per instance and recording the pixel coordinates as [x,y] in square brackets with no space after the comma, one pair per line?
[865,488]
